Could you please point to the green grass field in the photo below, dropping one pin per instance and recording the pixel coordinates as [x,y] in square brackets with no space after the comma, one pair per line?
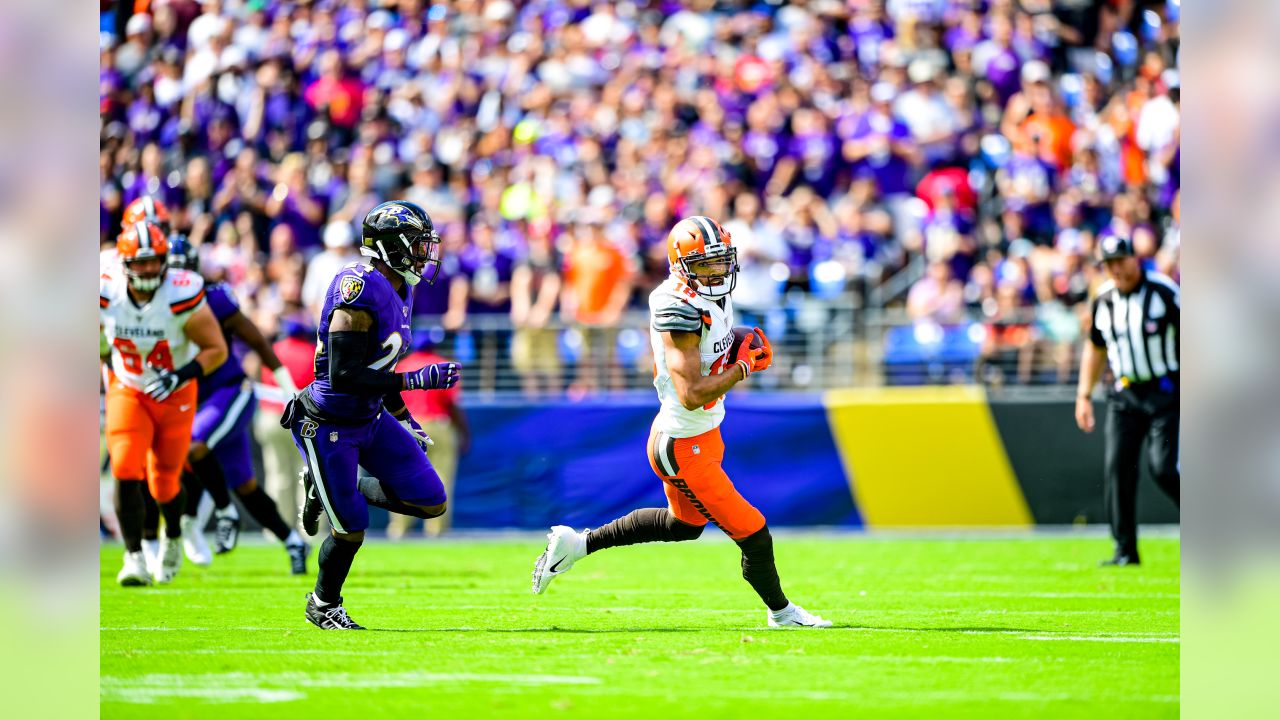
[924,628]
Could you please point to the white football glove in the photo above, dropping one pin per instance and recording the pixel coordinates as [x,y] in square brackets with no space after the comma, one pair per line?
[285,381]
[424,440]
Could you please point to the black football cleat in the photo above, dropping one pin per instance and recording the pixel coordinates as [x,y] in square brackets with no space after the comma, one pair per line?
[329,617]
[1120,560]
[226,532]
[298,553]
[312,508]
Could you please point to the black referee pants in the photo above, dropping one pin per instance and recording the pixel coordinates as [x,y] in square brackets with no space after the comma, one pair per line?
[1128,424]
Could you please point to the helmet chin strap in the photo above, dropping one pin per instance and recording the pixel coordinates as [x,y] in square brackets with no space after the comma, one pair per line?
[410,277]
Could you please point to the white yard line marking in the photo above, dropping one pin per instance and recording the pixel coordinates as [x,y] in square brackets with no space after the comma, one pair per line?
[150,695]
[1102,638]
[288,687]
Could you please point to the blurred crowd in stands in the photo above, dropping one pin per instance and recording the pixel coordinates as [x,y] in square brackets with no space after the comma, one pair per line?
[958,158]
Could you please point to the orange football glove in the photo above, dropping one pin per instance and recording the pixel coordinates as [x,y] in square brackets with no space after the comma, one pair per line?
[753,359]
[763,355]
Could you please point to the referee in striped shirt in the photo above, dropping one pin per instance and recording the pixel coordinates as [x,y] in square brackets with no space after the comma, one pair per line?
[1136,318]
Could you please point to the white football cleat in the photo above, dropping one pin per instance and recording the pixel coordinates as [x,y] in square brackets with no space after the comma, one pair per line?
[170,559]
[134,573]
[151,556]
[565,546]
[194,543]
[795,616]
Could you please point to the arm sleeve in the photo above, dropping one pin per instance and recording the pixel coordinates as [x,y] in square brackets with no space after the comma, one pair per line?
[394,403]
[347,371]
[678,316]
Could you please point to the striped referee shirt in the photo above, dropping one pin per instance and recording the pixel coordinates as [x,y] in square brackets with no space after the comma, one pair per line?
[1139,330]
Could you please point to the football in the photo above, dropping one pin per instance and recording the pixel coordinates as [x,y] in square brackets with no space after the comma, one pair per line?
[739,334]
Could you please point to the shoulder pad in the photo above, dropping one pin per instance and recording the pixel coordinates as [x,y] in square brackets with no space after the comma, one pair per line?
[677,316]
[186,290]
[350,285]
[222,300]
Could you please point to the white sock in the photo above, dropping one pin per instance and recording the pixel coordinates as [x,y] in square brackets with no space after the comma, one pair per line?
[229,512]
[294,538]
[779,613]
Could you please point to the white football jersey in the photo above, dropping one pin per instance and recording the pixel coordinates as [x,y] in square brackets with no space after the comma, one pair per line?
[673,306]
[152,334]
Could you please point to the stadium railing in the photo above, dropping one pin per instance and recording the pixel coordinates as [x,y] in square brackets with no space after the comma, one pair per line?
[819,344]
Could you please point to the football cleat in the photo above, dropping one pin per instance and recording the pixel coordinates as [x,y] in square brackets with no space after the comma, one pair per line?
[134,573]
[204,511]
[565,546]
[329,617]
[151,556]
[193,542]
[298,552]
[795,616]
[170,560]
[312,508]
[226,530]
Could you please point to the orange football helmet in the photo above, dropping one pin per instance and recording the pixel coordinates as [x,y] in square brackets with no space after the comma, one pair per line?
[147,209]
[141,242]
[701,253]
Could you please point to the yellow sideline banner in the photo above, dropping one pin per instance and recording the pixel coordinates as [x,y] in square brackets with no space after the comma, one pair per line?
[925,456]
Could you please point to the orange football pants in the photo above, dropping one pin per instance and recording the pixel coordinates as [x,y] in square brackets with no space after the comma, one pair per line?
[698,490]
[148,439]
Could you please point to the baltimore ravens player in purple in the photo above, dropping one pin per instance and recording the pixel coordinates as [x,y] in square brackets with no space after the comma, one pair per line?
[352,415]
[221,455]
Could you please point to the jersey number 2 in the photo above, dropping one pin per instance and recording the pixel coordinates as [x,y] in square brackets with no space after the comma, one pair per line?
[159,356]
[393,343]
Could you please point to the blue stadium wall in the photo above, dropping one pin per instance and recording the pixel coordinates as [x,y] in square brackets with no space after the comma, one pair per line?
[893,457]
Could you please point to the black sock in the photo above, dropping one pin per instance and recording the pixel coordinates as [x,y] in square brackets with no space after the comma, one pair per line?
[150,516]
[381,496]
[759,570]
[172,512]
[194,489]
[263,509]
[332,567]
[642,526]
[209,470]
[130,507]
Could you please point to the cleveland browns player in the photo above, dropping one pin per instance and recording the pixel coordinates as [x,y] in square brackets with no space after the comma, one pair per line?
[698,358]
[160,335]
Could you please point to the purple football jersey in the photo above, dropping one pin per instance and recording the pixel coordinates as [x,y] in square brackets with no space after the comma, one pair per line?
[361,287]
[230,373]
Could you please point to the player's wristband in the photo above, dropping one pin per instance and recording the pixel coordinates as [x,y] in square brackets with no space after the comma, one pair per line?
[190,371]
[745,367]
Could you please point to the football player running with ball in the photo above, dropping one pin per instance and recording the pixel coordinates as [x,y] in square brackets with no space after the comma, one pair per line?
[161,335]
[698,357]
[353,416]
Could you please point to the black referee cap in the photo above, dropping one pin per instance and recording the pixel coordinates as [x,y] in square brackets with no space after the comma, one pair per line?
[1114,246]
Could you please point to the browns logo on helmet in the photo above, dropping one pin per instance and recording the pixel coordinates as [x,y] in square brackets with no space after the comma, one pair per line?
[143,251]
[701,253]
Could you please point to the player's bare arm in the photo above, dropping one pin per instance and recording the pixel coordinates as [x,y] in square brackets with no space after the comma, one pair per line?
[203,330]
[242,327]
[685,365]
